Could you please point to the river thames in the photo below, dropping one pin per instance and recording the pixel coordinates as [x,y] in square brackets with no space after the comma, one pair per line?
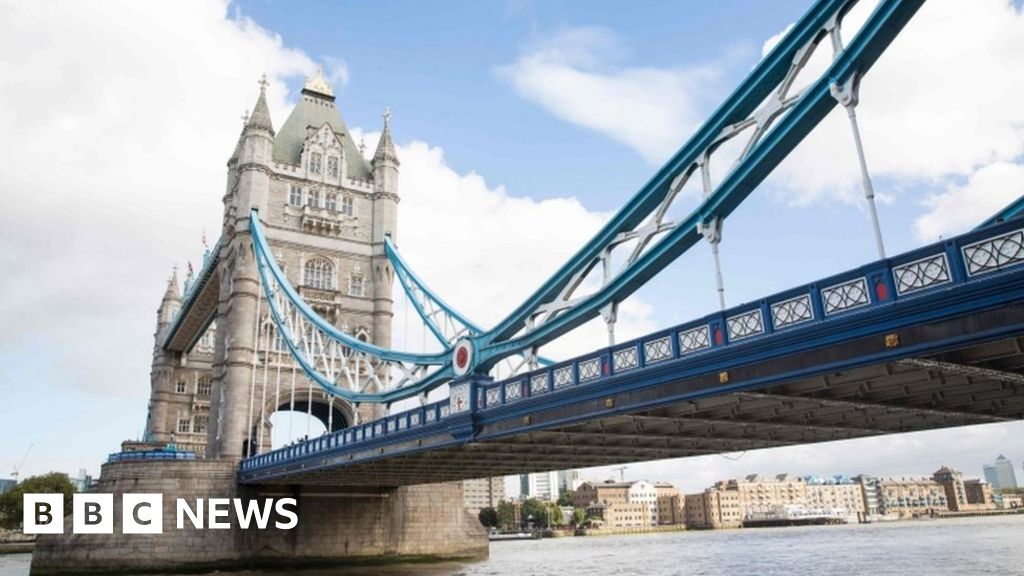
[955,547]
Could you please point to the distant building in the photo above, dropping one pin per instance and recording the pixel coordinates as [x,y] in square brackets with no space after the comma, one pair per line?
[482,493]
[7,484]
[670,504]
[539,485]
[621,515]
[83,482]
[964,495]
[1000,474]
[762,495]
[979,494]
[1011,501]
[662,501]
[870,490]
[909,497]
[716,507]
[952,482]
[835,496]
[569,481]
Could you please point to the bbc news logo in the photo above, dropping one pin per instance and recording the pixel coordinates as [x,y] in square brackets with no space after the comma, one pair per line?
[144,513]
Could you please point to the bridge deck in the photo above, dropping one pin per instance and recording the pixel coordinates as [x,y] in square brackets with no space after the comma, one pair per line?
[946,351]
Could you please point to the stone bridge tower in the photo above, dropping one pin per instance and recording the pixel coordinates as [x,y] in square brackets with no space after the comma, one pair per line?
[326,211]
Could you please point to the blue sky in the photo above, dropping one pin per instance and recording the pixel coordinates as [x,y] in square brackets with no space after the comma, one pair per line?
[521,126]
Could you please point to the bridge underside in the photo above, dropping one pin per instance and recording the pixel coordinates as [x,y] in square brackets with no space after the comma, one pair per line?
[973,384]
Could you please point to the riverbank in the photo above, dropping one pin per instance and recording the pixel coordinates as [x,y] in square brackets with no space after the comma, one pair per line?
[625,531]
[16,547]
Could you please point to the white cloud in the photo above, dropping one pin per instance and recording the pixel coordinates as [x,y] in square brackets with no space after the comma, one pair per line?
[648,109]
[940,102]
[336,71]
[962,207]
[116,119]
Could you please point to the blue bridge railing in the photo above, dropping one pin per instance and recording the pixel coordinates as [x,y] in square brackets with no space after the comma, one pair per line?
[150,455]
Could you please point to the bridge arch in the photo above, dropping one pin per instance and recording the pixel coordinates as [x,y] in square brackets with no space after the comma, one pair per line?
[309,413]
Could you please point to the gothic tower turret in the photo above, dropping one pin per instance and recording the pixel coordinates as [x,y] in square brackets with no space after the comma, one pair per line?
[385,224]
[161,373]
[251,163]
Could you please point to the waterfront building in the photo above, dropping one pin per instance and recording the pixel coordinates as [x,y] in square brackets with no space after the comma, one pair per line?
[1000,474]
[670,504]
[911,497]
[835,496]
[952,482]
[716,507]
[621,515]
[662,500]
[869,486]
[979,494]
[762,495]
[694,511]
[1011,501]
[481,493]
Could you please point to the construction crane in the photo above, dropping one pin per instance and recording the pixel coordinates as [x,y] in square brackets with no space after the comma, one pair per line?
[17,469]
[622,472]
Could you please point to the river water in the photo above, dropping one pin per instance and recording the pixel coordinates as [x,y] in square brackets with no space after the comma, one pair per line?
[954,547]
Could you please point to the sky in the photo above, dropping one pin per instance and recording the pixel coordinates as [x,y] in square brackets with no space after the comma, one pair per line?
[521,127]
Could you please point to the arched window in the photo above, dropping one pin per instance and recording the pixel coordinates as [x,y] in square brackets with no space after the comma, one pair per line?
[315,163]
[356,285]
[332,166]
[319,273]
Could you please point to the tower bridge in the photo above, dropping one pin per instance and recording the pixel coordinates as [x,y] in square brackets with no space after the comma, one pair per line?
[295,303]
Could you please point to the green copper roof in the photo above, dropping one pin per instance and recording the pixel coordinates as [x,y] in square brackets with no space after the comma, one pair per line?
[314,110]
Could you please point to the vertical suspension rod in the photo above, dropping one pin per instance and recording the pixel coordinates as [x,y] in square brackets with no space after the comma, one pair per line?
[848,96]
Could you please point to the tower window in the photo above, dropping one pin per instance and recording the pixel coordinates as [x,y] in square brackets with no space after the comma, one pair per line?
[318,273]
[180,387]
[331,201]
[184,425]
[313,199]
[315,163]
[200,424]
[295,196]
[347,206]
[355,285]
[332,166]
[203,387]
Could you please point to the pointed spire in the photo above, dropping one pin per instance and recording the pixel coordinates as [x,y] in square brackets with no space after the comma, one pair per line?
[172,292]
[260,117]
[386,147]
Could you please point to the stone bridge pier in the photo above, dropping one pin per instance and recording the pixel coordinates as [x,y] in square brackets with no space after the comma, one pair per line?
[335,525]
